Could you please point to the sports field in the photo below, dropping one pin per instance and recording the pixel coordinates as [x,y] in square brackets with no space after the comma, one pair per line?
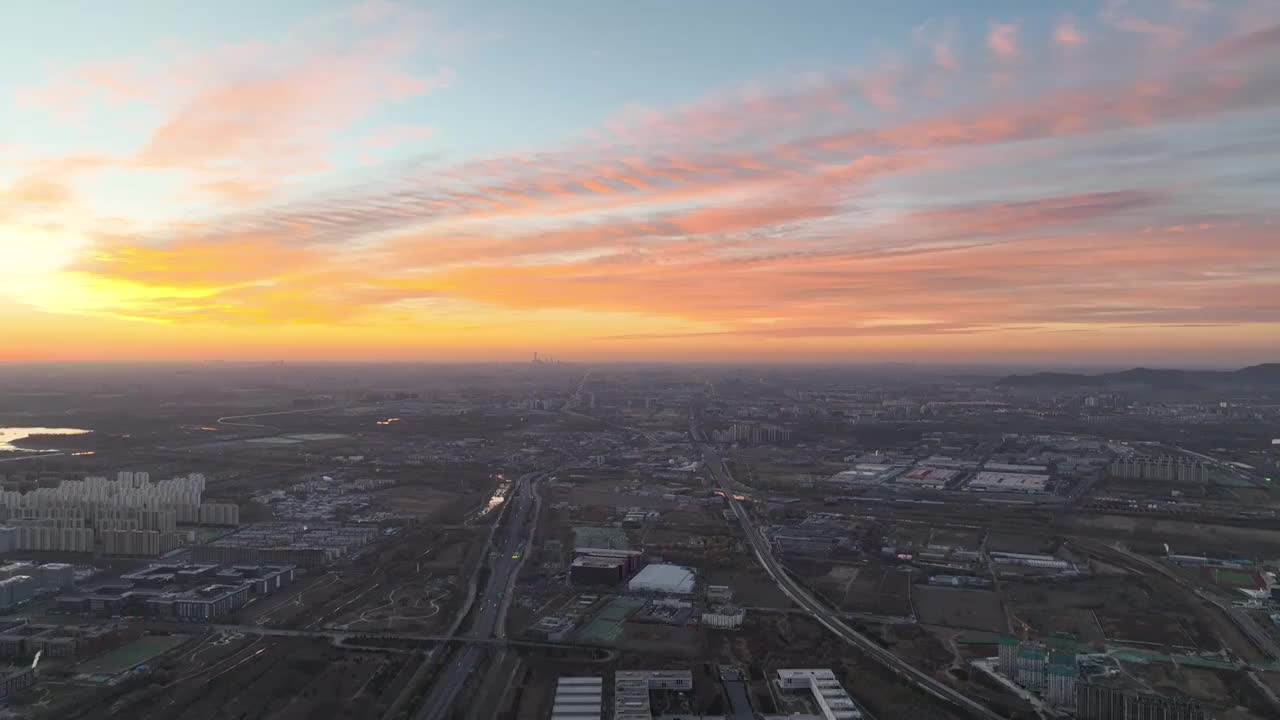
[607,626]
[127,657]
[1234,578]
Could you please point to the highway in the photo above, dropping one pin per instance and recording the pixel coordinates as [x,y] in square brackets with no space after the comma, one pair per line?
[504,666]
[490,610]
[828,618]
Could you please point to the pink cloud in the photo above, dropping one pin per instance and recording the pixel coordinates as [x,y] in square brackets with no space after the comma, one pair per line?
[1067,35]
[242,118]
[944,57]
[1002,41]
[1115,13]
[789,200]
[1243,45]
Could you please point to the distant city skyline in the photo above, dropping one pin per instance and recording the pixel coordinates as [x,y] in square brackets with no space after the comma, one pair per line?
[1065,184]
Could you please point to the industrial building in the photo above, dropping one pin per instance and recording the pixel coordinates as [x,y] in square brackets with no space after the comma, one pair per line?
[285,543]
[832,699]
[17,590]
[926,477]
[1044,562]
[1012,482]
[1016,468]
[719,594]
[592,570]
[202,604]
[57,575]
[15,678]
[724,617]
[578,698]
[21,580]
[263,579]
[17,567]
[187,592]
[865,475]
[631,559]
[663,578]
[631,690]
[553,628]
[56,641]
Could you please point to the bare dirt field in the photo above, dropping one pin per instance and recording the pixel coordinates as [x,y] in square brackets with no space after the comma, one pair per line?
[752,587]
[1108,608]
[661,639]
[958,608]
[882,591]
[417,500]
[1141,629]
[1021,543]
[1218,538]
[608,498]
[963,538]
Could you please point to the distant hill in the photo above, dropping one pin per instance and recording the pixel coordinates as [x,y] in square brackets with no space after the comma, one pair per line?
[1265,375]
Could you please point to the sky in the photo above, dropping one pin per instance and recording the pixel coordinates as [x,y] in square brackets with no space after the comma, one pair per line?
[930,181]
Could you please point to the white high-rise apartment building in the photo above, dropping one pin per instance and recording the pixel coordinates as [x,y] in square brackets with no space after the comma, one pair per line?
[67,517]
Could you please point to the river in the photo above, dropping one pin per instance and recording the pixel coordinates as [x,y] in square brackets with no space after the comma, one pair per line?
[10,435]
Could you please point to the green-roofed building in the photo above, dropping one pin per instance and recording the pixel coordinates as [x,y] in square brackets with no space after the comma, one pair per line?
[600,538]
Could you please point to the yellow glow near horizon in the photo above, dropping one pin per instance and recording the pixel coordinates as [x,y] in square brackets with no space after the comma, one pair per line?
[34,251]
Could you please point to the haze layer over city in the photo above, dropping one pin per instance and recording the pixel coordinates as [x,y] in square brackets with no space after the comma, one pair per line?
[391,360]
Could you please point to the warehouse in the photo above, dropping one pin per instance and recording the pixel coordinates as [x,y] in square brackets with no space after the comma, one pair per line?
[988,481]
[661,578]
[578,698]
[590,570]
[925,477]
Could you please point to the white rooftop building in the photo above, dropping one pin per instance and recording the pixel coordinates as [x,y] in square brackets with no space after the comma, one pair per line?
[631,690]
[833,701]
[578,698]
[663,578]
[990,481]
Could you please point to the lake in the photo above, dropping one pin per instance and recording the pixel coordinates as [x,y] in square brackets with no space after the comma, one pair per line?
[8,435]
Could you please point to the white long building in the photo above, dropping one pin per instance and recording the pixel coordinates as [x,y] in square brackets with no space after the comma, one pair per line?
[578,698]
[832,699]
[631,690]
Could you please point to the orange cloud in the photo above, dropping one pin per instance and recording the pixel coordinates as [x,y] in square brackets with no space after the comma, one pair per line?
[35,190]
[796,214]
[728,219]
